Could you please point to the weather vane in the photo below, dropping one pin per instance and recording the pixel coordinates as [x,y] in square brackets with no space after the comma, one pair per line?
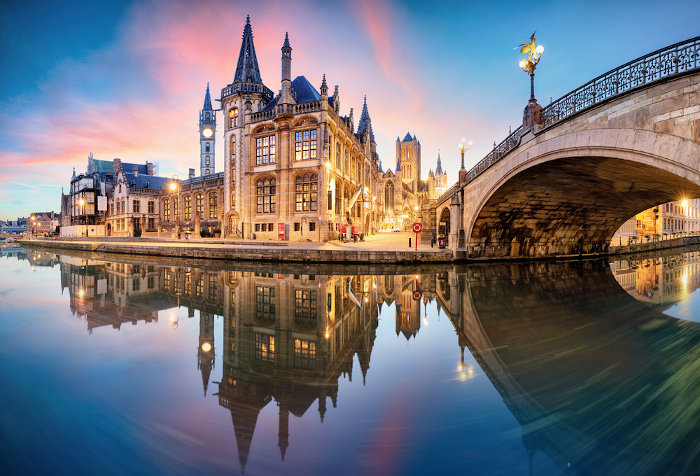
[534,53]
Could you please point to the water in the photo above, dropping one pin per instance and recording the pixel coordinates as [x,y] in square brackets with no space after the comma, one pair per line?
[119,365]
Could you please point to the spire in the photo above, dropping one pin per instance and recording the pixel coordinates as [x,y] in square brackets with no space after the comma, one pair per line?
[207,100]
[247,70]
[408,137]
[324,86]
[286,40]
[365,121]
[380,170]
[438,170]
[398,164]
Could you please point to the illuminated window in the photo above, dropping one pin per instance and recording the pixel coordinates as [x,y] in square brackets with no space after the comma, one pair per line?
[212,205]
[265,308]
[199,204]
[304,354]
[213,287]
[306,192]
[265,150]
[338,155]
[188,284]
[233,117]
[305,145]
[264,347]
[199,287]
[266,194]
[176,208]
[305,311]
[188,207]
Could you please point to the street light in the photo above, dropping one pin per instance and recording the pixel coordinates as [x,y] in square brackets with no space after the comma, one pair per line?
[534,53]
[463,147]
[33,225]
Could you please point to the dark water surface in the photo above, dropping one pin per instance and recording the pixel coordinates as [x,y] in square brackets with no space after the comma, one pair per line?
[114,365]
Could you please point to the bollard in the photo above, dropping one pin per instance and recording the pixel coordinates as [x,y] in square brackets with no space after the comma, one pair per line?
[409,242]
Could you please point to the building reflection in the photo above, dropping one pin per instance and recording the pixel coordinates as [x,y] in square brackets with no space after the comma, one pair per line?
[290,338]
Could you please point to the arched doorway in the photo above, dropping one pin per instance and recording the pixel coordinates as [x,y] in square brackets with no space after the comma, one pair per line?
[109,229]
[444,225]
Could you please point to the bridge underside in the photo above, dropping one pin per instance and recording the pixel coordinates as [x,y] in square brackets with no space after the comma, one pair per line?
[570,206]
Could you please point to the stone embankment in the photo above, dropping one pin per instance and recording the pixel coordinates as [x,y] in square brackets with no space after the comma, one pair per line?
[248,251]
[656,245]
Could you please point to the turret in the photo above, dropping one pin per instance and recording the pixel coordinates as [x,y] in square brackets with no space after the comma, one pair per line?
[286,97]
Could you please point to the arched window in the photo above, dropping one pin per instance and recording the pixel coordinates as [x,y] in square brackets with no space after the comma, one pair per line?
[266,194]
[233,165]
[306,193]
[166,210]
[188,207]
[207,147]
[389,198]
[206,159]
[338,155]
[208,115]
[199,204]
[305,144]
[212,205]
[233,117]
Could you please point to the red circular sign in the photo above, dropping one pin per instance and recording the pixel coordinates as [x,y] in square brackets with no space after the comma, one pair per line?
[417,295]
[417,227]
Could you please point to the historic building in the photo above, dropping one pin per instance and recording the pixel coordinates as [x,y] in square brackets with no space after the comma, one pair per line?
[295,169]
[402,192]
[664,221]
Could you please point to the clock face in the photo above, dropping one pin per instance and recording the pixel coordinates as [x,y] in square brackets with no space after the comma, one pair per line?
[207,132]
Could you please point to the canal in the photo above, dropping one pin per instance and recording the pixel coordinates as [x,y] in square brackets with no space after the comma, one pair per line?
[117,364]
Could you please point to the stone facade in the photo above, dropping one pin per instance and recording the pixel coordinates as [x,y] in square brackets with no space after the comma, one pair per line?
[295,168]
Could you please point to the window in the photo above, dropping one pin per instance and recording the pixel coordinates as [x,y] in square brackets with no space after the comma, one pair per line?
[119,207]
[188,207]
[265,303]
[199,204]
[151,224]
[212,205]
[188,283]
[207,148]
[265,150]
[266,192]
[151,206]
[305,311]
[264,347]
[305,145]
[312,226]
[199,287]
[213,287]
[136,284]
[206,161]
[297,226]
[337,155]
[306,192]
[257,227]
[233,117]
[151,282]
[304,354]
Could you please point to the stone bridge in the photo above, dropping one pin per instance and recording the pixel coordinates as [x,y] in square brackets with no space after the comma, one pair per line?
[562,184]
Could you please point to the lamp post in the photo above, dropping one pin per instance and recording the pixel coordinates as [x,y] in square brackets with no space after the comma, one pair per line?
[463,147]
[534,53]
[173,188]
[33,218]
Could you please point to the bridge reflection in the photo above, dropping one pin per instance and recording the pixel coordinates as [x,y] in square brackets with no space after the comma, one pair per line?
[598,380]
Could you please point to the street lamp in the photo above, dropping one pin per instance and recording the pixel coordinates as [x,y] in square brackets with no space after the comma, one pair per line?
[82,209]
[463,147]
[534,53]
[33,225]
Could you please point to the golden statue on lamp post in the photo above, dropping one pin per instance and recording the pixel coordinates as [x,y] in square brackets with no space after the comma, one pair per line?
[532,114]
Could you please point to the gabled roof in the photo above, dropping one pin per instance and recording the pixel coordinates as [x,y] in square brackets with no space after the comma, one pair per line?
[247,69]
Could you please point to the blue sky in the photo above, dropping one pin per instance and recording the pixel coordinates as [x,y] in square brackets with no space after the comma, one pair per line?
[126,80]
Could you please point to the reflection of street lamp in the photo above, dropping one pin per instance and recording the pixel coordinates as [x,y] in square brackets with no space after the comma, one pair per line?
[463,147]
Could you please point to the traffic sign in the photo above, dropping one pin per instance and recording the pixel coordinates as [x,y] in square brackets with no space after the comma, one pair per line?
[417,227]
[417,295]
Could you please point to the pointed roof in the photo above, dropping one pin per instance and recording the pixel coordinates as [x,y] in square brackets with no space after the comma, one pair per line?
[365,122]
[438,170]
[408,137]
[380,168]
[398,139]
[207,100]
[286,40]
[247,70]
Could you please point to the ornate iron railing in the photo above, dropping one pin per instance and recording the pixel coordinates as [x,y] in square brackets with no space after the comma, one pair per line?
[247,88]
[673,60]
[665,63]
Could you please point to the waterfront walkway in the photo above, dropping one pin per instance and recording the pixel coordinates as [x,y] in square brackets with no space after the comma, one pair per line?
[379,248]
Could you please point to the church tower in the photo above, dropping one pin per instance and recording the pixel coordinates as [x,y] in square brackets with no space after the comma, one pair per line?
[243,97]
[207,129]
[408,161]
[205,351]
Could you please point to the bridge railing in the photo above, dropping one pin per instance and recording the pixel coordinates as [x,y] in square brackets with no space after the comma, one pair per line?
[667,62]
[661,64]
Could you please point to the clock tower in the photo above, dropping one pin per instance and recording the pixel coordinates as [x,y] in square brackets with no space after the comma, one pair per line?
[207,129]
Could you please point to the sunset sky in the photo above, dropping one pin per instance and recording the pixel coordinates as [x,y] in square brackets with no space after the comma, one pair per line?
[127,80]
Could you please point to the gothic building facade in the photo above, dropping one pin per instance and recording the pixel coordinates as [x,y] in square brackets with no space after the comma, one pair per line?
[401,193]
[295,168]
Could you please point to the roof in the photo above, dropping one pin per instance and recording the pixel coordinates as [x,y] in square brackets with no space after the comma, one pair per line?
[365,122]
[408,138]
[304,91]
[107,166]
[207,100]
[147,181]
[438,170]
[247,69]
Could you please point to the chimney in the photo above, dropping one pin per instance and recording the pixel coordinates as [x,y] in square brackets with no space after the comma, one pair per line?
[135,169]
[149,167]
[191,173]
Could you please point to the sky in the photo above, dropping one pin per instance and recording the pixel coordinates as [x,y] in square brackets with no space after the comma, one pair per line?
[127,79]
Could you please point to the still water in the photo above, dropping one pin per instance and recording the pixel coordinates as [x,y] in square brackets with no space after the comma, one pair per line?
[114,365]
